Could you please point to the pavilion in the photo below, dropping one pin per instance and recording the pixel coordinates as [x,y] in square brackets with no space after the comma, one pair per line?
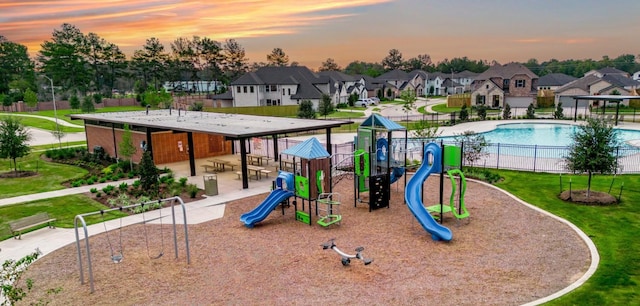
[176,135]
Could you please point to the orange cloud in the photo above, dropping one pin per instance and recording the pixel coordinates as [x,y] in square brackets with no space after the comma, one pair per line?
[129,23]
[574,41]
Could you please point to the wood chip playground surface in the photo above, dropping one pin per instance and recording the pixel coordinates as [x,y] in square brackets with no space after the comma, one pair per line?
[504,254]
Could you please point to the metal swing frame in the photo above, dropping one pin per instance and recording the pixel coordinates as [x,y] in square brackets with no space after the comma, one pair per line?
[80,219]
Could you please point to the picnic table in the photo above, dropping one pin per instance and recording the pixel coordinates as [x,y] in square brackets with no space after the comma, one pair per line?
[255,159]
[220,164]
[255,171]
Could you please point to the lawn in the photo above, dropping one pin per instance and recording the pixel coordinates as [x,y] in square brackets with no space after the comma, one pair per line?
[63,113]
[345,114]
[49,176]
[612,228]
[49,125]
[64,209]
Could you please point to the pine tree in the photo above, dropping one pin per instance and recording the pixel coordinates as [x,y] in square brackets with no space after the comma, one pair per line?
[506,112]
[148,174]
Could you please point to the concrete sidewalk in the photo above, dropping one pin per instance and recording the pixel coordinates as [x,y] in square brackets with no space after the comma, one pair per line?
[48,240]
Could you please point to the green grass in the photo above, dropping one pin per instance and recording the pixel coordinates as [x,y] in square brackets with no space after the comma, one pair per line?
[345,114]
[49,125]
[64,209]
[62,113]
[50,176]
[614,230]
[442,108]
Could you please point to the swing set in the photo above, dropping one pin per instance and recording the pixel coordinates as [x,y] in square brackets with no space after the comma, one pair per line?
[117,253]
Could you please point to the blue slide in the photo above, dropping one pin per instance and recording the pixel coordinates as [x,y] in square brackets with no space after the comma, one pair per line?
[266,207]
[413,194]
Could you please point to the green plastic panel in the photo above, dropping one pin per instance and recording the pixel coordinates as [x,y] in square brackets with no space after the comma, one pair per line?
[302,186]
[452,156]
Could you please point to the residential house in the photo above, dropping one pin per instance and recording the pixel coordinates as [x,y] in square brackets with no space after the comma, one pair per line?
[396,81]
[282,86]
[345,85]
[553,81]
[512,84]
[605,81]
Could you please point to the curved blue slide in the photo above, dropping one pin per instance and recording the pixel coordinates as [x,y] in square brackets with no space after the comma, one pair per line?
[275,197]
[413,194]
[266,207]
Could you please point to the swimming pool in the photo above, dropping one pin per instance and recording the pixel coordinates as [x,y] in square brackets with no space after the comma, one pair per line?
[544,134]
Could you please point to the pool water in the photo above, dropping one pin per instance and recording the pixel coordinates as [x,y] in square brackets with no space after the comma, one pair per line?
[545,134]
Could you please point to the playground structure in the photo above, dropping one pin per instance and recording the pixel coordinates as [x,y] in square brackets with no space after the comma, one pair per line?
[346,258]
[434,162]
[311,174]
[118,256]
[377,161]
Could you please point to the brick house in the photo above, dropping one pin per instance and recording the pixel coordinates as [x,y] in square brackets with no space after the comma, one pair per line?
[512,84]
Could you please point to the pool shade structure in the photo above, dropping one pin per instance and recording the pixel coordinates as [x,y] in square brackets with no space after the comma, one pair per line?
[607,98]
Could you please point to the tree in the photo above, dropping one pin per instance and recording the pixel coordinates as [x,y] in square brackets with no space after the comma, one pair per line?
[326,106]
[235,60]
[421,62]
[473,146]
[156,98]
[14,138]
[531,111]
[329,65]
[352,99]
[370,69]
[393,60]
[464,112]
[6,101]
[481,110]
[30,98]
[148,175]
[306,110]
[87,105]
[593,149]
[126,147]
[64,58]
[149,62]
[58,134]
[74,102]
[277,58]
[506,112]
[409,98]
[15,64]
[559,112]
[426,130]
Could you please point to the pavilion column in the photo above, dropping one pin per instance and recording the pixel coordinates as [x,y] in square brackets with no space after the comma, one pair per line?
[192,161]
[243,163]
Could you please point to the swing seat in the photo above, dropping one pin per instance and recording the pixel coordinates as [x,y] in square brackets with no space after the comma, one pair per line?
[117,258]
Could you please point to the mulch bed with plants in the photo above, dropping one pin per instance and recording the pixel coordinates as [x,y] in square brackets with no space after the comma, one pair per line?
[504,254]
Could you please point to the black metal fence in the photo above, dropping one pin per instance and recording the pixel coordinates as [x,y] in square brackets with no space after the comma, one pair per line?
[536,158]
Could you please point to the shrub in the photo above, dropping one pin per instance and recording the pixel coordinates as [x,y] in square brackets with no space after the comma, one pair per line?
[123,186]
[192,189]
[183,181]
[98,195]
[102,180]
[90,181]
[136,183]
[93,190]
[131,175]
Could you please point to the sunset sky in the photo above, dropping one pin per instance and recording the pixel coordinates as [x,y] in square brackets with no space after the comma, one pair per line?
[312,31]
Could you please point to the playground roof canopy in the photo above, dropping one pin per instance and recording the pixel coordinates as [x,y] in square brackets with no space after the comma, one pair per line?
[378,121]
[308,149]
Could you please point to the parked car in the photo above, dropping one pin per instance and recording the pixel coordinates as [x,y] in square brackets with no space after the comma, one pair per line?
[361,103]
[375,100]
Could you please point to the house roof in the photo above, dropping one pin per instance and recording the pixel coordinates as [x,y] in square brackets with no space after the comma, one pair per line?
[555,79]
[227,95]
[278,75]
[581,83]
[611,70]
[466,74]
[620,80]
[506,71]
[419,72]
[308,149]
[378,121]
[232,126]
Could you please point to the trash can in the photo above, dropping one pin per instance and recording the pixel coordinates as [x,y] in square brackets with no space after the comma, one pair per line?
[211,185]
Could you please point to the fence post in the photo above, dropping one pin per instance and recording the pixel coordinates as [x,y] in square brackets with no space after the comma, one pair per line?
[535,157]
[498,157]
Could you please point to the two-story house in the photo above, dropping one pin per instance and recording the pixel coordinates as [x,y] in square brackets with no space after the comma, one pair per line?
[512,84]
[604,81]
[281,86]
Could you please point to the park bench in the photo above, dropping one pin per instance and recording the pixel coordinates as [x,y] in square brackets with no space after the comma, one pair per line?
[28,222]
